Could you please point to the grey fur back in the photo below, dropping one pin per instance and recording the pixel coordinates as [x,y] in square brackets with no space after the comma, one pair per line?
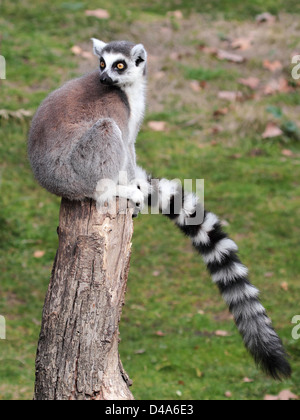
[81,119]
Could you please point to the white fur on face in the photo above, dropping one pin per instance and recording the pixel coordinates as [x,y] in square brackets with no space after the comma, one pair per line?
[128,77]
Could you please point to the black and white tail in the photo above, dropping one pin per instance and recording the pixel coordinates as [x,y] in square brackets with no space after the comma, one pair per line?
[220,255]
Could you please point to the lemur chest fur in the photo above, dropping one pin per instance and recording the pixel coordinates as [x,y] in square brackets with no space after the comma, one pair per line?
[136,99]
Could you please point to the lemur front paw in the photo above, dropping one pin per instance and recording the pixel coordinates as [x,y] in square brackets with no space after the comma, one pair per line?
[105,194]
[136,197]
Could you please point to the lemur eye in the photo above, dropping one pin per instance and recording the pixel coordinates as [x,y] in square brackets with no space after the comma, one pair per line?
[120,66]
[102,64]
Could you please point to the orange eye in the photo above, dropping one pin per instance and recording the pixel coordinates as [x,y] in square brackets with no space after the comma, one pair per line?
[120,66]
[102,64]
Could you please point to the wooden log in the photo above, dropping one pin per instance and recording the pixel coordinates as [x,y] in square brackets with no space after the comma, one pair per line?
[77,356]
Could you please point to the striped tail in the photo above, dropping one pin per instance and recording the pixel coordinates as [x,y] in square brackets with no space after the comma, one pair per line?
[220,255]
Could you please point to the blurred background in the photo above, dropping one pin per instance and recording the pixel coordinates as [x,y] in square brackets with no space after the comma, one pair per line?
[223,106]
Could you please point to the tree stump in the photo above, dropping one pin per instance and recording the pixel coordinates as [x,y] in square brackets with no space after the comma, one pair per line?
[77,356]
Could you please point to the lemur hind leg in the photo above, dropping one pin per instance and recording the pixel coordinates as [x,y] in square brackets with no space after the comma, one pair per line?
[98,159]
[99,154]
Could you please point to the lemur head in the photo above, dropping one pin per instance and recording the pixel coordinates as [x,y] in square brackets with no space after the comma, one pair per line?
[122,63]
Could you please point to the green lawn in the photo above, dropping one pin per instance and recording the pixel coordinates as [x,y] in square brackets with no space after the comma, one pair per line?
[169,347]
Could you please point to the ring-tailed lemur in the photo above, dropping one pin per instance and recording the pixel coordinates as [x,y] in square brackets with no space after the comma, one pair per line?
[85,132]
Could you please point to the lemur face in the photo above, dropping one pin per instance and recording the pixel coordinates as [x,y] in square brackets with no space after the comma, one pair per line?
[121,63]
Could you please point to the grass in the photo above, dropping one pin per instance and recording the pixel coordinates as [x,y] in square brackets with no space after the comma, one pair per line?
[172,311]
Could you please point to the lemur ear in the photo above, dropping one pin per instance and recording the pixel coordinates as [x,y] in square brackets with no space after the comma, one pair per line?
[139,54]
[98,46]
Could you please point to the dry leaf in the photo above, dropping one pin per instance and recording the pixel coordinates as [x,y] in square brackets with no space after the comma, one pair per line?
[20,114]
[76,50]
[284,285]
[269,274]
[140,351]
[272,65]
[270,398]
[247,380]
[230,96]
[228,394]
[159,75]
[199,373]
[176,14]
[221,333]
[157,125]
[242,43]
[39,254]
[98,13]
[197,86]
[265,18]
[280,85]
[208,50]
[272,130]
[220,112]
[251,82]
[287,153]
[284,395]
[80,53]
[88,55]
[225,55]
[160,333]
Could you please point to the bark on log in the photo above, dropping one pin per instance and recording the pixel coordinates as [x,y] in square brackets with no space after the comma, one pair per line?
[77,356]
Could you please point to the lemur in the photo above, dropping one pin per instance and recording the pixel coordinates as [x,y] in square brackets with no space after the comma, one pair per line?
[85,132]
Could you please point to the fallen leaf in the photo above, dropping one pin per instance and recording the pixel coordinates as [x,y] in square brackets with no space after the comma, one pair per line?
[284,285]
[156,273]
[76,50]
[272,130]
[269,274]
[225,55]
[157,125]
[247,380]
[265,18]
[195,86]
[176,14]
[159,75]
[280,85]
[242,44]
[270,398]
[179,393]
[230,96]
[98,13]
[257,152]
[228,394]
[287,153]
[221,333]
[236,156]
[88,55]
[208,50]
[284,395]
[199,373]
[220,112]
[160,333]
[19,114]
[140,351]
[272,65]
[251,82]
[39,254]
